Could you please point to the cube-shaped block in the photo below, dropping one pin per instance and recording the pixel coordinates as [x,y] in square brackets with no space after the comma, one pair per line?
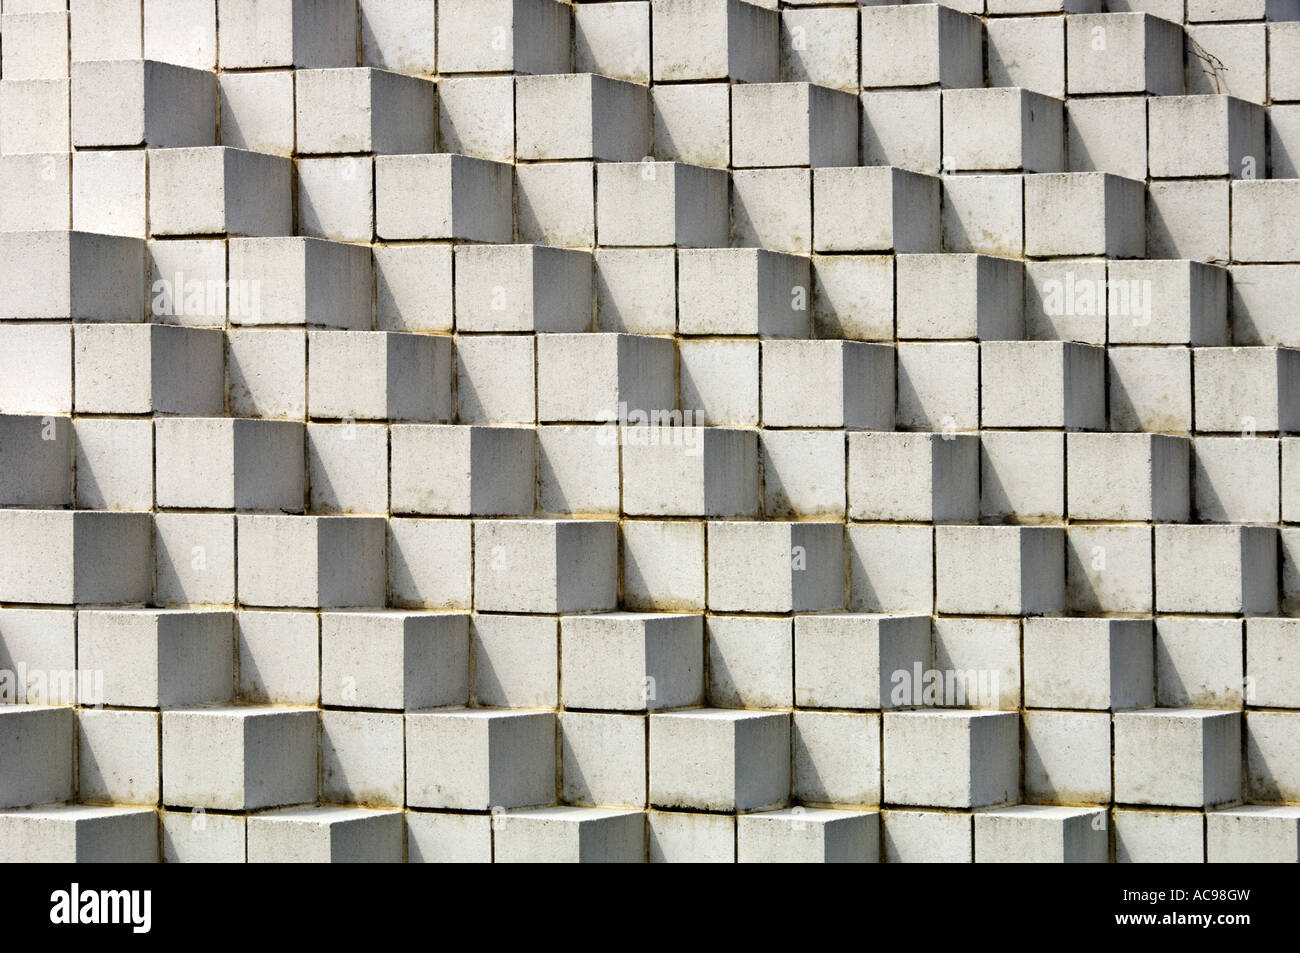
[972,759]
[159,658]
[631,661]
[1179,757]
[394,659]
[479,759]
[717,760]
[545,565]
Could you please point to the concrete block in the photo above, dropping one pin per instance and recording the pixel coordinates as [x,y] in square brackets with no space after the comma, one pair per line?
[362,757]
[772,209]
[1188,219]
[257,111]
[808,835]
[1107,134]
[762,293]
[495,380]
[1228,58]
[584,835]
[960,296]
[159,658]
[1150,389]
[279,657]
[38,46]
[660,203]
[692,123]
[36,460]
[1246,389]
[1022,475]
[183,33]
[1236,480]
[1091,664]
[76,833]
[663,565]
[521,36]
[636,290]
[108,192]
[1005,129]
[1028,52]
[65,557]
[311,561]
[775,567]
[186,279]
[238,759]
[336,198]
[1123,53]
[751,662]
[117,755]
[429,563]
[434,838]
[377,375]
[855,389]
[974,758]
[211,462]
[803,474]
[32,116]
[853,298]
[858,661]
[717,39]
[1252,834]
[556,203]
[571,565]
[630,378]
[298,33]
[199,837]
[300,281]
[631,662]
[984,214]
[132,102]
[1042,384]
[476,759]
[338,835]
[938,386]
[999,570]
[1167,302]
[1143,837]
[792,124]
[891,568]
[219,190]
[268,372]
[394,660]
[516,661]
[836,758]
[1206,135]
[820,46]
[1128,477]
[37,743]
[921,477]
[696,471]
[688,837]
[603,759]
[78,276]
[363,110]
[578,470]
[919,47]
[918,837]
[413,287]
[1084,213]
[613,40]
[1029,833]
[1272,677]
[476,116]
[1259,297]
[463,471]
[1258,209]
[901,210]
[1179,757]
[1199,663]
[522,288]
[719,760]
[581,116]
[901,127]
[443,197]
[1239,574]
[982,659]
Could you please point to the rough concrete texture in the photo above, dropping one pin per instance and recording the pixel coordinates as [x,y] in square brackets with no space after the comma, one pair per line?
[651,430]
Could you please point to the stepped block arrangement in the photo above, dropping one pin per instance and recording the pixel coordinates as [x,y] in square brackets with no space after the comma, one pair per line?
[649,431]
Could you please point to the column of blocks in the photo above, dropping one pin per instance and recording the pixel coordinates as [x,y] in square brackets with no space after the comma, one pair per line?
[649,431]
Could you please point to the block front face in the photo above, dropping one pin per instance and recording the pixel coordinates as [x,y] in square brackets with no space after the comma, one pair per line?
[649,430]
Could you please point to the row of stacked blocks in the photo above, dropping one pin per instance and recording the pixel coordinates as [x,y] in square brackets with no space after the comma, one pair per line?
[677,430]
